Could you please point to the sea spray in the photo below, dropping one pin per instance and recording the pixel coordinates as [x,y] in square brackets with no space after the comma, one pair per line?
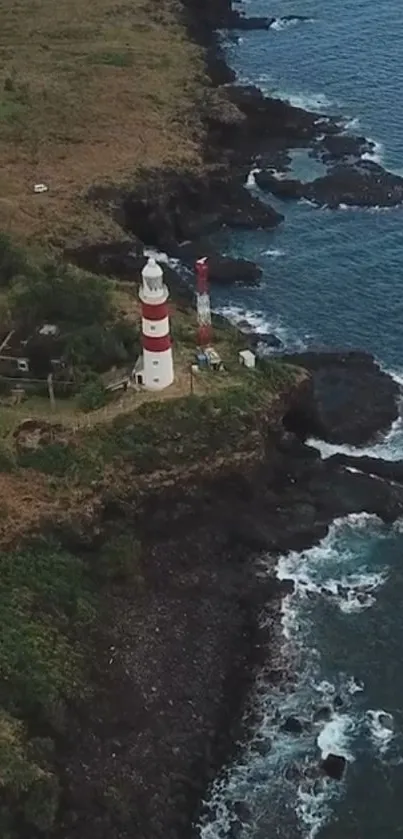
[278,771]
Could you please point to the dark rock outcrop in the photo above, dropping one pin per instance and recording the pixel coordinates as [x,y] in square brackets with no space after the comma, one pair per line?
[351,399]
[339,146]
[224,270]
[276,118]
[323,714]
[169,208]
[361,184]
[292,725]
[243,23]
[364,184]
[280,187]
[334,766]
[125,260]
[387,470]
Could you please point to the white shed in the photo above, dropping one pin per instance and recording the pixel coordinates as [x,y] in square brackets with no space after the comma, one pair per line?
[247,358]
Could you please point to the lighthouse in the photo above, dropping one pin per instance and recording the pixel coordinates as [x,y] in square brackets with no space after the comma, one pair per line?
[157,370]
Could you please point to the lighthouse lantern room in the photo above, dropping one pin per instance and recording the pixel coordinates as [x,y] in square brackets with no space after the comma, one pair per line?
[155,371]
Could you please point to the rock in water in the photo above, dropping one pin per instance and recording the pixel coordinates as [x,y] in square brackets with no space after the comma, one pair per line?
[366,184]
[292,725]
[225,270]
[351,399]
[334,766]
[323,714]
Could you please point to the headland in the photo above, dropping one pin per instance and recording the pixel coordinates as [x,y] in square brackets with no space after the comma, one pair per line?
[130,532]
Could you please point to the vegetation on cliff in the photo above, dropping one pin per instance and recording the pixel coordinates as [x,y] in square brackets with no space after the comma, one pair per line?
[49,596]
[86,92]
[46,607]
[102,91]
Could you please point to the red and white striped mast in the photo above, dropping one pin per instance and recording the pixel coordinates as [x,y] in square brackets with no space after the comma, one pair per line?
[204,331]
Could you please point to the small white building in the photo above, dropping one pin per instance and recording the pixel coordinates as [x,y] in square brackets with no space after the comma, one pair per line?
[247,358]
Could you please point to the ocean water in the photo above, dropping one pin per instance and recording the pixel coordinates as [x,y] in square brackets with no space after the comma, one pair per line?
[331,279]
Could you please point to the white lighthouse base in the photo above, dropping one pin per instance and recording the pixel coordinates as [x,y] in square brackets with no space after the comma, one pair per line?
[155,370]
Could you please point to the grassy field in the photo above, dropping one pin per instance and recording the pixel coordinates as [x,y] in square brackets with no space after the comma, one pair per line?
[89,93]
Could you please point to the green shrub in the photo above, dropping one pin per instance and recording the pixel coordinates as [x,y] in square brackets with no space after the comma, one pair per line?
[100,347]
[54,459]
[93,395]
[27,788]
[45,597]
[41,590]
[59,294]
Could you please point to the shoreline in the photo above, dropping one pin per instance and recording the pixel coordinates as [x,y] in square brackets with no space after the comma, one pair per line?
[297,518]
[180,645]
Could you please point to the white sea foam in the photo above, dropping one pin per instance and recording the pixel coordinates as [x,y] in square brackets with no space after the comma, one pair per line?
[381,726]
[283,23]
[325,688]
[251,181]
[308,202]
[335,737]
[274,252]
[280,23]
[306,101]
[376,153]
[313,800]
[236,314]
[159,256]
[313,809]
[354,686]
[323,571]
[260,774]
[352,124]
[390,447]
[261,324]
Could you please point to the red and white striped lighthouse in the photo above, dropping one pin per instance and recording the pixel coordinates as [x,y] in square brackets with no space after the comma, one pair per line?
[158,369]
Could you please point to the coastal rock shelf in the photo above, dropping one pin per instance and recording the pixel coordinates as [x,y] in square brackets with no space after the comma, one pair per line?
[363,184]
[352,400]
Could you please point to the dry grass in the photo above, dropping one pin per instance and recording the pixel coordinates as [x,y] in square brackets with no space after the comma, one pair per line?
[89,92]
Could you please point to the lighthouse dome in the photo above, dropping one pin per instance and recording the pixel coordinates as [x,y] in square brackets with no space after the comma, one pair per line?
[152,275]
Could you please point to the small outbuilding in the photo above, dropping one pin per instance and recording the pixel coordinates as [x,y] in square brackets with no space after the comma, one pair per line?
[213,359]
[247,358]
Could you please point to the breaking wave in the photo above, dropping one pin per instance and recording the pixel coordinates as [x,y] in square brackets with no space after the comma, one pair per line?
[258,323]
[307,101]
[281,23]
[390,447]
[382,729]
[308,718]
[376,153]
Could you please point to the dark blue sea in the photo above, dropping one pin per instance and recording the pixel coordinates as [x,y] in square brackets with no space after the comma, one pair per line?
[332,278]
